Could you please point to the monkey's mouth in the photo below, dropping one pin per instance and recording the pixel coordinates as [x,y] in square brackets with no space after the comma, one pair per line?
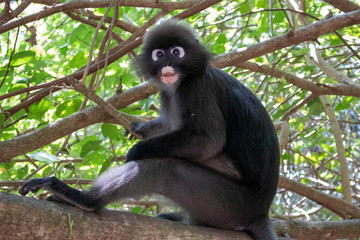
[168,75]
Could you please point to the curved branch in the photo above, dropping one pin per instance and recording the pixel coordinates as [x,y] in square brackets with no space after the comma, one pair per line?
[315,88]
[337,205]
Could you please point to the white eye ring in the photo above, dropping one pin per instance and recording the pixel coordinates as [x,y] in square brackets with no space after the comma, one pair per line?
[178,51]
[156,54]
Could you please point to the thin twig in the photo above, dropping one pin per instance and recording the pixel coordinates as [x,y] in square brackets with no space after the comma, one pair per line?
[122,118]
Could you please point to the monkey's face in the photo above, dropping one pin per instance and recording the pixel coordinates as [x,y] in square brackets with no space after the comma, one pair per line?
[167,60]
[172,54]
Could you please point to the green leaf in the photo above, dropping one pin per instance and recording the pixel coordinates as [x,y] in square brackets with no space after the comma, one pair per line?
[345,103]
[2,121]
[64,48]
[136,209]
[20,58]
[127,78]
[37,110]
[93,157]
[44,157]
[300,51]
[305,181]
[244,8]
[90,146]
[78,60]
[260,3]
[221,39]
[110,131]
[16,87]
[68,107]
[105,165]
[76,148]
[316,107]
[22,172]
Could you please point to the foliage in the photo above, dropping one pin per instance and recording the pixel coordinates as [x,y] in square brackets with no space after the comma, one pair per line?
[63,44]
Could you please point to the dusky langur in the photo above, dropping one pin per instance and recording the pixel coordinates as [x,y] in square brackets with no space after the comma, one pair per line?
[213,150]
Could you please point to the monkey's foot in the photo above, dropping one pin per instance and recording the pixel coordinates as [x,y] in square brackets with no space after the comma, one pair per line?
[35,184]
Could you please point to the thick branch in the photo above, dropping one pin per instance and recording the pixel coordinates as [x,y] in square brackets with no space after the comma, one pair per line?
[343,5]
[28,218]
[312,230]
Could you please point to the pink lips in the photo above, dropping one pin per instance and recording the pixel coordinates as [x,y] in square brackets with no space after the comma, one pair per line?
[168,75]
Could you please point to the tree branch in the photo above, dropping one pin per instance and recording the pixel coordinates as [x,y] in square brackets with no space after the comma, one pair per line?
[311,230]
[335,127]
[343,5]
[316,88]
[28,218]
[308,33]
[121,118]
[81,4]
[337,205]
[34,140]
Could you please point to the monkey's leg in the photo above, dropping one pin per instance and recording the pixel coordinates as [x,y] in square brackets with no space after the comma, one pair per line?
[209,197]
[61,191]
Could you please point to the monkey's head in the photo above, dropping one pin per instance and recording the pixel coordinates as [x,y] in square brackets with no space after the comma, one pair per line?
[172,53]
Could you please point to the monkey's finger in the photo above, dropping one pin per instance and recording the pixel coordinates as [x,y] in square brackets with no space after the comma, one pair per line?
[128,135]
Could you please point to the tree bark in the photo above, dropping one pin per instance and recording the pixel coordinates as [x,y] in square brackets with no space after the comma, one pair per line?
[28,218]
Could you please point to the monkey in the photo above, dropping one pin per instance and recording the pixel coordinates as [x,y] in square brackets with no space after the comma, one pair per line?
[213,150]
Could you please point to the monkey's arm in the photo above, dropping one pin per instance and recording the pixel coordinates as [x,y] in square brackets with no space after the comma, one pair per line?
[150,129]
[183,143]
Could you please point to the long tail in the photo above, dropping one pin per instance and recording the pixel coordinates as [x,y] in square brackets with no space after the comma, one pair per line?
[262,230]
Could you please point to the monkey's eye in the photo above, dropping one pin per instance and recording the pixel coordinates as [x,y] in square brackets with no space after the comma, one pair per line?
[156,54]
[178,51]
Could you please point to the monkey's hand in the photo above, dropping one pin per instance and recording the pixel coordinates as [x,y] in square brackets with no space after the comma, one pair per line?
[35,184]
[133,154]
[139,151]
[135,128]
